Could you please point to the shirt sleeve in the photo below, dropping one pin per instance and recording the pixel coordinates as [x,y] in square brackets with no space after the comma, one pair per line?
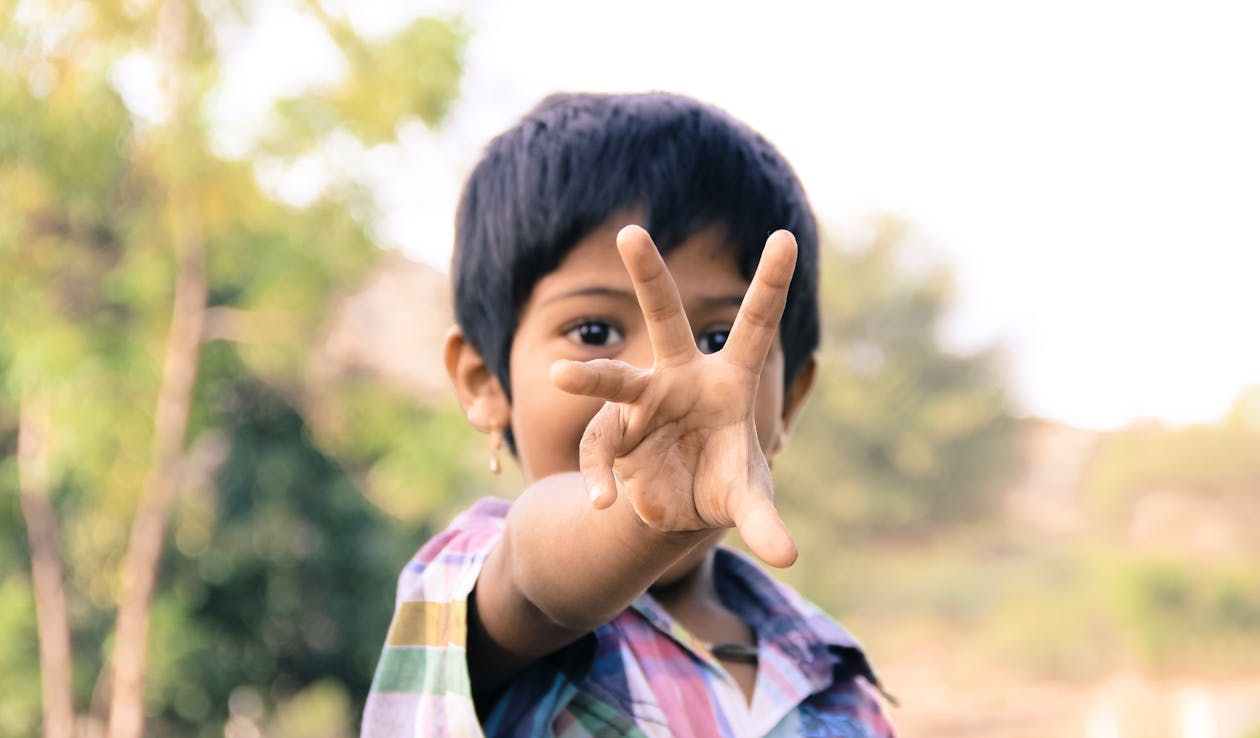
[421,686]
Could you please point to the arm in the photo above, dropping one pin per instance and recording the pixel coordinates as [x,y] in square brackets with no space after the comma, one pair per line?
[670,462]
[561,570]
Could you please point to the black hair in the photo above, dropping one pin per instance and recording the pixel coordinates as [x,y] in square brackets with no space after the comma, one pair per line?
[577,159]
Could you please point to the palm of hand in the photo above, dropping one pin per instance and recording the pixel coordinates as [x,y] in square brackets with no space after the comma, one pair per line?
[698,443]
[680,440]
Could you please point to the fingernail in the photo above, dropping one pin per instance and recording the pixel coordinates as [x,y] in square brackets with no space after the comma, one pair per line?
[596,493]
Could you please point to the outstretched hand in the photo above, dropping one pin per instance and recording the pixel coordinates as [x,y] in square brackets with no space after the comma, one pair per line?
[679,440]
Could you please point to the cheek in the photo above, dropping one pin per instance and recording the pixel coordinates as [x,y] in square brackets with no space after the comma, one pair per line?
[547,422]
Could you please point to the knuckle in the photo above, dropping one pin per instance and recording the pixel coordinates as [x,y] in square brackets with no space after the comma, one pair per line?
[609,384]
[764,313]
[662,311]
[776,282]
[592,439]
[761,318]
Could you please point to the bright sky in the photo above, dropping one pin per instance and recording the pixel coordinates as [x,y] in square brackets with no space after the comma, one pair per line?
[1090,170]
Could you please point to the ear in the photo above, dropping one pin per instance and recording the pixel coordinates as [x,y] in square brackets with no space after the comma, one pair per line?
[794,398]
[480,394]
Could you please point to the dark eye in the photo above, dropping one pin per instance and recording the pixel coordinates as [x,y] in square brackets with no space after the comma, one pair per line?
[711,342]
[594,333]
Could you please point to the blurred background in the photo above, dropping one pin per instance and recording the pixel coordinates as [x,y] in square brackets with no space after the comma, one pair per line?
[1029,479]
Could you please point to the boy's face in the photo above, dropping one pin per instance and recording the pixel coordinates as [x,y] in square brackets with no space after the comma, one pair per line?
[586,309]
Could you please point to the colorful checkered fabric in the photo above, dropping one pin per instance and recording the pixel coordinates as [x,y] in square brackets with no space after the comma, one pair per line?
[639,675]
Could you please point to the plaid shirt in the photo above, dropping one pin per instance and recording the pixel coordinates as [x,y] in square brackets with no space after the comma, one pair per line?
[639,675]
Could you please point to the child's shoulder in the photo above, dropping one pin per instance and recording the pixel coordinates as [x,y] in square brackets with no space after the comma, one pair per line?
[447,564]
[467,529]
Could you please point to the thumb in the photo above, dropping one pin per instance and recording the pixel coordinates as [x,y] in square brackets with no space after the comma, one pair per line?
[761,527]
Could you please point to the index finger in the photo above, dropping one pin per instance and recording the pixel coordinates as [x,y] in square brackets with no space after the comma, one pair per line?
[757,321]
[657,295]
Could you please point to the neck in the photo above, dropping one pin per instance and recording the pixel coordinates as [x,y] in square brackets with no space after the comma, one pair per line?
[691,580]
[692,600]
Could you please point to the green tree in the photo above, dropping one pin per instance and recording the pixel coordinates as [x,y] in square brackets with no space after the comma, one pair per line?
[900,433]
[127,247]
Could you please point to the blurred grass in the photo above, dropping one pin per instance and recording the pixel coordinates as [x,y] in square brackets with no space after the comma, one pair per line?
[1050,610]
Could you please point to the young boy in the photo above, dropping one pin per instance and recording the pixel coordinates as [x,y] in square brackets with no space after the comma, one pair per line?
[643,394]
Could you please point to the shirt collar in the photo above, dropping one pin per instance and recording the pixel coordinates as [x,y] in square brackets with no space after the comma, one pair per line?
[781,617]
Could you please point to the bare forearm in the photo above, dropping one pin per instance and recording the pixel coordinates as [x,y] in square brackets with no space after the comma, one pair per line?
[561,570]
[581,566]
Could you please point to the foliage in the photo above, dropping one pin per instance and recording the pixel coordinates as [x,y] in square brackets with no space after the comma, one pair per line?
[279,564]
[370,102]
[1199,619]
[900,433]
[388,443]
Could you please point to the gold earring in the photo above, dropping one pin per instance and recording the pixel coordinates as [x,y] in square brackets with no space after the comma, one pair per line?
[496,443]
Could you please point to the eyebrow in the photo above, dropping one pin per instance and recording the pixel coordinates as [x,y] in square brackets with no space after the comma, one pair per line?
[717,301]
[595,291]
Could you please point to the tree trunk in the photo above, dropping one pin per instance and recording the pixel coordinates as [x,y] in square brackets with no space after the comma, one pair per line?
[179,373]
[46,574]
[144,550]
